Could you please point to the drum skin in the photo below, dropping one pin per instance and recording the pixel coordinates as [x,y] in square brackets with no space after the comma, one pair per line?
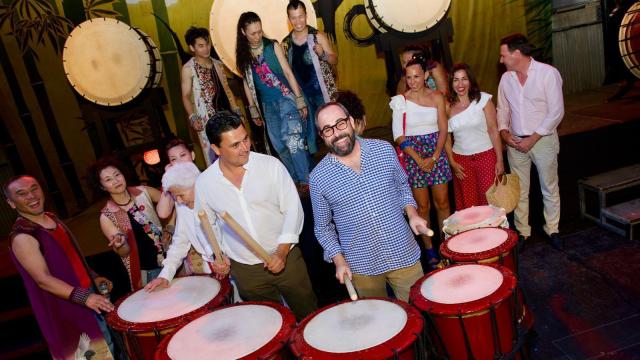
[274,350]
[475,217]
[400,346]
[406,16]
[504,254]
[142,339]
[447,324]
[629,39]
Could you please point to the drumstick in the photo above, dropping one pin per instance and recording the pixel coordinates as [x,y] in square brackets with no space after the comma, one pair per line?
[204,221]
[251,243]
[350,289]
[425,231]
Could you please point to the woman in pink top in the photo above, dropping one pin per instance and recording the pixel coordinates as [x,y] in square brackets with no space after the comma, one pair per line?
[476,154]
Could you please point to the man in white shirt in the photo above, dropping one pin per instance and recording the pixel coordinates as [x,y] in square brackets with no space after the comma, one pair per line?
[530,108]
[257,191]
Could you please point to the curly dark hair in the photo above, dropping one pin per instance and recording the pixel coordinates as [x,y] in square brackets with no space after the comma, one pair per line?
[93,171]
[474,88]
[352,102]
[517,42]
[244,58]
[194,33]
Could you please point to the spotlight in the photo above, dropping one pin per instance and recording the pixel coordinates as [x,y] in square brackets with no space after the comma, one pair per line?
[152,157]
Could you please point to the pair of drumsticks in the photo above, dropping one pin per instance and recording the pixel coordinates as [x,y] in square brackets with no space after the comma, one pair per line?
[255,247]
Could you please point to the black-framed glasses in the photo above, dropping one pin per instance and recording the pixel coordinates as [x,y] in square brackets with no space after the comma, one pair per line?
[341,124]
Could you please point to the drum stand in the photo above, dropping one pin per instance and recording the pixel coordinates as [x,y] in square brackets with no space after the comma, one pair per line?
[391,42]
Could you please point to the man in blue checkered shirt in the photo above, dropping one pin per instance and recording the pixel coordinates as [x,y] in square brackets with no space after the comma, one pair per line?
[360,194]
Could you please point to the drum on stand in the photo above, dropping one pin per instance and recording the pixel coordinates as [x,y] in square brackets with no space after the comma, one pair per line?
[407,16]
[223,22]
[629,39]
[472,311]
[483,246]
[143,318]
[109,62]
[372,328]
[248,330]
[475,217]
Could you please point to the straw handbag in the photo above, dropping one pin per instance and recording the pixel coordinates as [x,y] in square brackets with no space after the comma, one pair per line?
[505,193]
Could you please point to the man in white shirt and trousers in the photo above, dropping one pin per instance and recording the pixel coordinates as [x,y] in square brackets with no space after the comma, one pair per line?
[258,192]
[530,108]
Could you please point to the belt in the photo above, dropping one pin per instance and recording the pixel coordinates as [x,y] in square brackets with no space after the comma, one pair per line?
[523,136]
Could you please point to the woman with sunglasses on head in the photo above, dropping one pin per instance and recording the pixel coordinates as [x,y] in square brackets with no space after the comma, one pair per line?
[436,73]
[476,154]
[420,130]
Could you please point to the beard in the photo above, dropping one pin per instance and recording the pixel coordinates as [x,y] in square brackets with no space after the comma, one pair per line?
[345,149]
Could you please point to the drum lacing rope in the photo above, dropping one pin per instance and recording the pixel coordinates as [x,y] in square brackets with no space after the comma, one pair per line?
[467,344]
[497,349]
[419,348]
[434,328]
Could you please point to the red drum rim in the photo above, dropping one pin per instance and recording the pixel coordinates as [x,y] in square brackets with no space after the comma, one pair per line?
[409,334]
[504,291]
[119,324]
[271,348]
[505,247]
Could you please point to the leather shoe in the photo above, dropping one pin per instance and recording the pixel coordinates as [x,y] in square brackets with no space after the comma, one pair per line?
[556,241]
[522,242]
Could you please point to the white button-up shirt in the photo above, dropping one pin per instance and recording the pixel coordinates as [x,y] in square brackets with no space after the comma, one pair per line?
[537,106]
[266,205]
[188,232]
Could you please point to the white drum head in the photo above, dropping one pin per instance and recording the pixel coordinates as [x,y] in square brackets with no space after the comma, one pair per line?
[355,326]
[229,333]
[106,61]
[183,296]
[409,16]
[223,23]
[473,218]
[461,284]
[477,240]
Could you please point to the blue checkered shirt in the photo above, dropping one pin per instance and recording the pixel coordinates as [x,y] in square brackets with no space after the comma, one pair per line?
[362,215]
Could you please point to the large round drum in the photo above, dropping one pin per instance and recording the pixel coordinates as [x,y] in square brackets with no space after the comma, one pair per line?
[223,22]
[407,16]
[482,246]
[473,311]
[144,318]
[250,330]
[629,39]
[109,62]
[475,217]
[372,328]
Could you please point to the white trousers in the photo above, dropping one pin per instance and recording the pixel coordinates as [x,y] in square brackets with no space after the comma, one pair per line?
[544,155]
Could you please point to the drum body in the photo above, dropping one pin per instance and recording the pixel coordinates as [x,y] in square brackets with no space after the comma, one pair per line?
[372,328]
[248,330]
[143,318]
[407,16]
[629,39]
[472,311]
[475,217]
[483,246]
[109,62]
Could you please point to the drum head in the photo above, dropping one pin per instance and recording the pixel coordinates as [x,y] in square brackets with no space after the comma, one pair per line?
[629,39]
[185,294]
[461,284]
[355,326]
[223,23]
[473,218]
[106,61]
[477,240]
[408,16]
[232,332]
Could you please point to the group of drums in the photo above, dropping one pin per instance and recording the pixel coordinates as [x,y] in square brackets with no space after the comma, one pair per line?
[470,309]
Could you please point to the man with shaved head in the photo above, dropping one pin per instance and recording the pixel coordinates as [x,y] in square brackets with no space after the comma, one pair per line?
[60,285]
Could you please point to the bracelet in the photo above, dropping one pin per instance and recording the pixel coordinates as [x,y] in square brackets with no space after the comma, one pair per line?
[405,144]
[300,104]
[324,56]
[434,158]
[169,228]
[253,112]
[193,117]
[79,296]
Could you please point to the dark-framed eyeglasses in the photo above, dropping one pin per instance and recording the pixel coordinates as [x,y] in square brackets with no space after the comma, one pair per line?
[341,124]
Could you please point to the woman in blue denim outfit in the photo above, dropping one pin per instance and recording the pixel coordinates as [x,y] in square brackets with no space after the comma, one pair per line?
[270,84]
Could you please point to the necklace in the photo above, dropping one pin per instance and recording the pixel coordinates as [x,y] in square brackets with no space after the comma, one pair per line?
[258,48]
[125,204]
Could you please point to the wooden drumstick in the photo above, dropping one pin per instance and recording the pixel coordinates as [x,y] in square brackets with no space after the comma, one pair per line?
[350,289]
[425,231]
[204,221]
[251,243]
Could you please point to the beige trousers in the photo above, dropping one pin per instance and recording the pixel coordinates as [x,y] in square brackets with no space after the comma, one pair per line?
[400,280]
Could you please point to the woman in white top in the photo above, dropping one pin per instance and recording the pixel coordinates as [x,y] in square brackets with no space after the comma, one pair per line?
[476,155]
[421,135]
